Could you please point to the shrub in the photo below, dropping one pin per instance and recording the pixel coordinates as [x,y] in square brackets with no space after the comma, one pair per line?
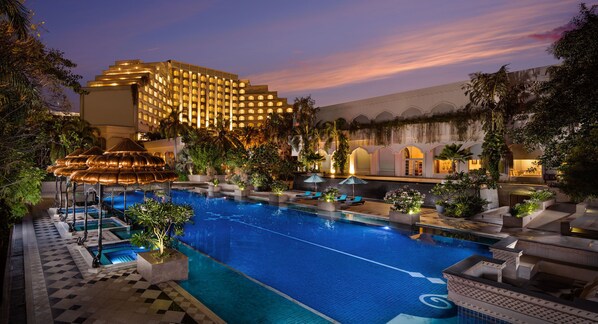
[330,194]
[215,182]
[465,206]
[524,209]
[405,200]
[278,187]
[542,195]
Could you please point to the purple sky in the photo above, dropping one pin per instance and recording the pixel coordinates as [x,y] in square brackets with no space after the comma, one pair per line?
[335,50]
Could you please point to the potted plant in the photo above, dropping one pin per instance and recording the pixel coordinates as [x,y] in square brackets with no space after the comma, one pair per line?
[406,205]
[213,185]
[277,189]
[241,190]
[160,220]
[444,193]
[522,214]
[328,200]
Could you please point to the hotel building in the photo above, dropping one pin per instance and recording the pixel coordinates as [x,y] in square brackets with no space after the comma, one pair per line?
[131,97]
[409,150]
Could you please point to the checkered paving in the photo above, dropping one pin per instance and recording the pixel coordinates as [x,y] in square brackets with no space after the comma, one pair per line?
[121,296]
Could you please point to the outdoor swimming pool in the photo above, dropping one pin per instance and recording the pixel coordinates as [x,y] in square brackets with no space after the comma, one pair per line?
[92,224]
[117,252]
[349,272]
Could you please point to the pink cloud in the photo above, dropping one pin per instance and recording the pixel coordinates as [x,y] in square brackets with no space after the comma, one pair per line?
[553,35]
[495,34]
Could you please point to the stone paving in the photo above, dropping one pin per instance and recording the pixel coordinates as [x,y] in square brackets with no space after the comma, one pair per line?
[61,290]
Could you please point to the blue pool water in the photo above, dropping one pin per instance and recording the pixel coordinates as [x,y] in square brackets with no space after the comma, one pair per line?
[92,224]
[351,273]
[124,233]
[117,253]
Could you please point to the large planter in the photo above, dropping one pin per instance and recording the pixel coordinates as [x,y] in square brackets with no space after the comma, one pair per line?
[276,199]
[199,178]
[521,222]
[155,270]
[242,193]
[439,209]
[212,188]
[329,206]
[490,195]
[405,219]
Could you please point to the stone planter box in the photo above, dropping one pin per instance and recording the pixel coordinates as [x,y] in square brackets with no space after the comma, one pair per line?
[199,178]
[276,199]
[228,186]
[242,193]
[154,270]
[405,219]
[329,206]
[212,188]
[521,222]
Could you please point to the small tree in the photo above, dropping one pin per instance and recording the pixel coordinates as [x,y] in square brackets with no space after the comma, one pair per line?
[341,155]
[455,154]
[159,219]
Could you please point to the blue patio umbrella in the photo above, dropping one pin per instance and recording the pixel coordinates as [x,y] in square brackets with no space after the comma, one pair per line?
[353,180]
[315,179]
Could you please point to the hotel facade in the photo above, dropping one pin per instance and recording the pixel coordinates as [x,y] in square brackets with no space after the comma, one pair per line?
[410,149]
[131,97]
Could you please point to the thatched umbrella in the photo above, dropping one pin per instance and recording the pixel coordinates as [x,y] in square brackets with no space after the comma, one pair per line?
[60,163]
[126,163]
[73,164]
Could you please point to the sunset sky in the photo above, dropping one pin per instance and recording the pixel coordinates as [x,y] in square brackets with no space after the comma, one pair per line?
[335,50]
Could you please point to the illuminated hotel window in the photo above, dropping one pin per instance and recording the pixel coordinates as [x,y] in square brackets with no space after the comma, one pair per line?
[279,103]
[279,110]
[250,97]
[212,80]
[260,97]
[241,91]
[241,111]
[176,73]
[241,105]
[260,111]
[260,117]
[226,83]
[250,118]
[203,78]
[242,118]
[242,84]
[290,110]
[185,82]
[140,115]
[219,81]
[260,104]
[185,75]
[270,104]
[241,124]
[251,125]
[242,98]
[194,77]
[251,111]
[250,104]
[270,110]
[270,97]
[234,124]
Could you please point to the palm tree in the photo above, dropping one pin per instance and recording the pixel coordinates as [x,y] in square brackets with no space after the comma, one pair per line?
[17,16]
[250,136]
[173,127]
[455,154]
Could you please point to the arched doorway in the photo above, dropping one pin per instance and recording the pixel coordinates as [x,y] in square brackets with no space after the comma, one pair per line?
[414,161]
[325,165]
[386,161]
[360,161]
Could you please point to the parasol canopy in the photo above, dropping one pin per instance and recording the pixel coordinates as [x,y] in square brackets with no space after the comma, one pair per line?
[353,180]
[126,163]
[315,179]
[60,163]
[76,163]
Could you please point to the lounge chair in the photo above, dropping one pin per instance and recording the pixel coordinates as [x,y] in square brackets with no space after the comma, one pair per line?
[357,200]
[316,195]
[304,195]
[341,198]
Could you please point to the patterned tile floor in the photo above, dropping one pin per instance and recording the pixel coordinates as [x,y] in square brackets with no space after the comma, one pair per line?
[63,291]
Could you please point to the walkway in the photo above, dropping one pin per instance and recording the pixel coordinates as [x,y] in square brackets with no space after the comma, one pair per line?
[60,288]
